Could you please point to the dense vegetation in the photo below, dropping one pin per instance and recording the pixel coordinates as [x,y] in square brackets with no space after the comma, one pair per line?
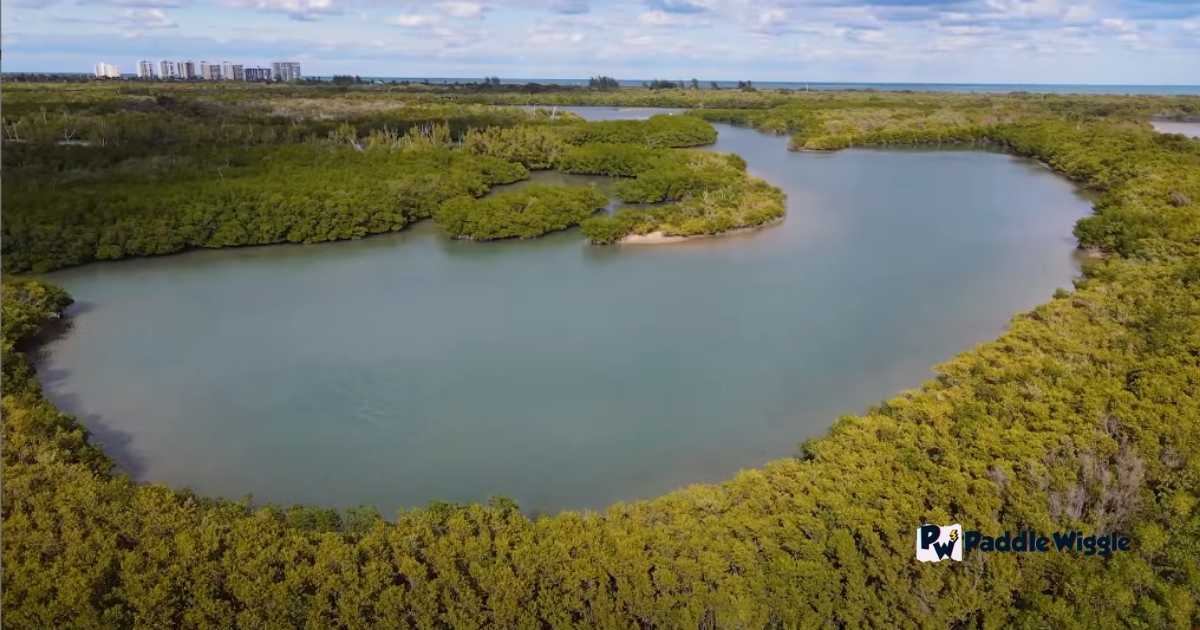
[1084,415]
[99,181]
[296,194]
[657,131]
[526,213]
[706,193]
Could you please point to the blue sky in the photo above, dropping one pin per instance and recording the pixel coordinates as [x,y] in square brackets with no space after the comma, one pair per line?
[983,41]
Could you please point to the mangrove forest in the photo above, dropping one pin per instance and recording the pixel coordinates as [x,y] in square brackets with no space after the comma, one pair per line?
[1083,415]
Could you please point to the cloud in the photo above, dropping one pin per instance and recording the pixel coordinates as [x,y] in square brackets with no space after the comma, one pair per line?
[1117,25]
[412,20]
[129,21]
[303,10]
[454,10]
[460,9]
[1078,14]
[570,7]
[677,6]
[975,40]
[149,18]
[34,4]
[775,20]
[900,4]
[1161,9]
[662,19]
[776,16]
[139,4]
[552,36]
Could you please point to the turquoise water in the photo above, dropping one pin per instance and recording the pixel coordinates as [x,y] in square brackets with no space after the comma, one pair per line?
[405,368]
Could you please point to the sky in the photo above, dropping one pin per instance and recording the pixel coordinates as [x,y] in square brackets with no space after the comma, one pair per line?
[950,41]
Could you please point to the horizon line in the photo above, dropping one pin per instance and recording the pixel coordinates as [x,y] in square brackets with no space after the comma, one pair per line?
[585,78]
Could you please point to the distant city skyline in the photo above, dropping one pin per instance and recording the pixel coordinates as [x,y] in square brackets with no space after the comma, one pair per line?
[938,41]
[187,69]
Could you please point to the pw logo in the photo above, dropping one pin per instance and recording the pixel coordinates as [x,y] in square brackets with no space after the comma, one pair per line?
[935,543]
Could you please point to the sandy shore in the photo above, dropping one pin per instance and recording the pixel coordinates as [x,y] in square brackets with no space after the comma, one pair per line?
[658,238]
[653,238]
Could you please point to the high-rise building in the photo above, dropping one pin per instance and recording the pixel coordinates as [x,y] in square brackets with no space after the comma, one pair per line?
[239,74]
[107,71]
[202,71]
[226,71]
[210,71]
[285,70]
[168,69]
[258,74]
[187,70]
[145,70]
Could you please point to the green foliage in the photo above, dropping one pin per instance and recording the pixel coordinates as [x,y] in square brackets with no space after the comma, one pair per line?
[745,203]
[662,84]
[535,147]
[1084,414]
[677,174]
[708,194]
[297,194]
[616,160]
[526,213]
[603,83]
[27,306]
[661,130]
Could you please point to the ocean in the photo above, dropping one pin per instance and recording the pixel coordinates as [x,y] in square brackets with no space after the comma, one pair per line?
[999,88]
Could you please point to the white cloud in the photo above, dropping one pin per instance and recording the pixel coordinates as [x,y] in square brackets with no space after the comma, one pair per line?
[1117,25]
[977,40]
[658,17]
[953,43]
[460,9]
[145,4]
[552,37]
[1078,14]
[452,10]
[772,17]
[1025,8]
[570,7]
[148,18]
[295,9]
[412,20]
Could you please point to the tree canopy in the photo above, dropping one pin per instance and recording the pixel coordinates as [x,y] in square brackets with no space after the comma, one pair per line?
[1084,414]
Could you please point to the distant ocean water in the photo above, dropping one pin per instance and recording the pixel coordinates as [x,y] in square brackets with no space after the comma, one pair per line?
[994,88]
[1042,88]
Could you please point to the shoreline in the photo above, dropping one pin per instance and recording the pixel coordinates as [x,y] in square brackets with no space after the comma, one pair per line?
[657,237]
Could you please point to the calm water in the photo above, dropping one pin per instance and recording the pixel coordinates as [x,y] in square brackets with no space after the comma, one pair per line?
[410,367]
[612,113]
[1170,126]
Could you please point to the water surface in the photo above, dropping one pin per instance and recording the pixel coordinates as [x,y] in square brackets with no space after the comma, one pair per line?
[1170,126]
[410,367]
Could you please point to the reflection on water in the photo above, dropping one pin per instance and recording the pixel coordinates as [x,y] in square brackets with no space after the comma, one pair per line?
[411,367]
[611,113]
[1169,126]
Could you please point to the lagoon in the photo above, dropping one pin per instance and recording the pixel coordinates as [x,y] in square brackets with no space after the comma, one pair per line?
[407,368]
[1186,128]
